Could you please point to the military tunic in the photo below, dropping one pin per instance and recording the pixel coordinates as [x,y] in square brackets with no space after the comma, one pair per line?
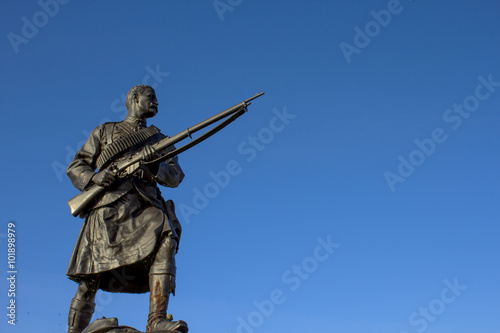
[123,229]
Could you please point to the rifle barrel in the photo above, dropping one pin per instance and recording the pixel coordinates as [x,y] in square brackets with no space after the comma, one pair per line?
[193,129]
[252,98]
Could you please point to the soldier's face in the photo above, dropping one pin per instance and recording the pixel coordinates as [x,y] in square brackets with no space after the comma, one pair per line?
[147,104]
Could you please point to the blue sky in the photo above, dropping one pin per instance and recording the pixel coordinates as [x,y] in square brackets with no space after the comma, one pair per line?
[357,195]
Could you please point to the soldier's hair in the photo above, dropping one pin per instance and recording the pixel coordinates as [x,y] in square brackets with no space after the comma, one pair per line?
[135,91]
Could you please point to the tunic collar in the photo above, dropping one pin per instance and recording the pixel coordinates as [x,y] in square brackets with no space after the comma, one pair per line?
[135,122]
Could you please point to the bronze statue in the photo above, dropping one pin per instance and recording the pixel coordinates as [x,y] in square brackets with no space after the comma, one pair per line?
[130,230]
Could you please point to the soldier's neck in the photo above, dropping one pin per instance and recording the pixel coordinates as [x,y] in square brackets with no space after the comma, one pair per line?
[135,120]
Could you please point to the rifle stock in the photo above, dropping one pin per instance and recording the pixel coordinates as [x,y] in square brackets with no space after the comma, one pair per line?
[78,203]
[82,201]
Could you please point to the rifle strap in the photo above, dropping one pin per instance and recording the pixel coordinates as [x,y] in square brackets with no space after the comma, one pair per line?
[201,138]
[119,146]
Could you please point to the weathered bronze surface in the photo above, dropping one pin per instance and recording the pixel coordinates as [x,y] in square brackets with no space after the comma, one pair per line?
[131,234]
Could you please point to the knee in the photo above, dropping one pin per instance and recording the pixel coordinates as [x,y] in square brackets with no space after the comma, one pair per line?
[86,291]
[171,243]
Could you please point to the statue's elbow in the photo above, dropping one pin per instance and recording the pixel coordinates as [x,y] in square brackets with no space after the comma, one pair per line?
[181,177]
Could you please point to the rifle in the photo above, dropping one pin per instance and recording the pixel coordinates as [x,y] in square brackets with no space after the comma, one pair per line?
[82,201]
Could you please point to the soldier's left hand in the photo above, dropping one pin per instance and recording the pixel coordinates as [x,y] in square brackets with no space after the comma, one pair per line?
[149,154]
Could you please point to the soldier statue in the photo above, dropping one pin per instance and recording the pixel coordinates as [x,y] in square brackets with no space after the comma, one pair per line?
[131,234]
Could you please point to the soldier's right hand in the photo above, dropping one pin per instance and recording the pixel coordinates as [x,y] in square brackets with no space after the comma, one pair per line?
[104,178]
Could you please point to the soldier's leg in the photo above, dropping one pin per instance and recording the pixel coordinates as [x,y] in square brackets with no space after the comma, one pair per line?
[82,305]
[161,284]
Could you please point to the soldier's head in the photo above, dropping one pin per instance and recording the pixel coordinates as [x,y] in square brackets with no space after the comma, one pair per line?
[141,102]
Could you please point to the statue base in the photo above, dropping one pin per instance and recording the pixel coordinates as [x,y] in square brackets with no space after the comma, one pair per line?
[110,325]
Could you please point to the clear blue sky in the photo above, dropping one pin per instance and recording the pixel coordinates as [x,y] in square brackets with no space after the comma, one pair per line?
[378,134]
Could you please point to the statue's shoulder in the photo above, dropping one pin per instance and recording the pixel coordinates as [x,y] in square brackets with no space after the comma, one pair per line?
[156,130]
[104,126]
[103,132]
[109,126]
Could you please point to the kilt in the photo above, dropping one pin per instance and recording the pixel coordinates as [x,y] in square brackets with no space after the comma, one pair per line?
[118,242]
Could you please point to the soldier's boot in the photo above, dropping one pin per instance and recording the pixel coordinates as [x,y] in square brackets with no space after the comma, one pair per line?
[80,314]
[161,285]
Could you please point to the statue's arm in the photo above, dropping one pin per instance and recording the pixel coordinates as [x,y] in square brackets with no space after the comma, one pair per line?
[82,169]
[169,172]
